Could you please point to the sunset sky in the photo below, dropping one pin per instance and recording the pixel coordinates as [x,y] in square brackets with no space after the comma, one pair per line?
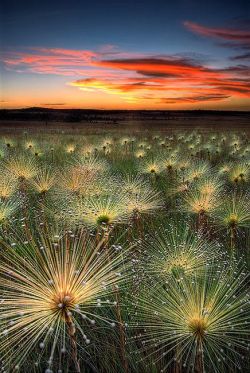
[117,54]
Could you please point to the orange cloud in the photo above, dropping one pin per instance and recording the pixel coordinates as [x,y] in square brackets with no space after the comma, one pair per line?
[125,86]
[135,78]
[171,67]
[175,74]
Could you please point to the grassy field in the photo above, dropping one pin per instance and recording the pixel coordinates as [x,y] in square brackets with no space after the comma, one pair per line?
[124,250]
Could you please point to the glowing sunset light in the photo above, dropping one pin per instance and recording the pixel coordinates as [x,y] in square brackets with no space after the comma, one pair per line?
[209,70]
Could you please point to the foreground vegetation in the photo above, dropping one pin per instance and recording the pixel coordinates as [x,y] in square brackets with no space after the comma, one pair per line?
[124,254]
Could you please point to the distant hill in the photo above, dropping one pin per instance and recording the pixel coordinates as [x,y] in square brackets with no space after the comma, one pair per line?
[111,116]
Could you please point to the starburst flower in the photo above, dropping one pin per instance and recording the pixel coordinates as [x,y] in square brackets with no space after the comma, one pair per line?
[183,164]
[23,168]
[99,186]
[235,143]
[70,148]
[201,321]
[72,180]
[44,180]
[9,143]
[87,150]
[8,185]
[125,141]
[196,171]
[234,211]
[197,202]
[84,182]
[246,151]
[240,173]
[8,209]
[225,168]
[38,152]
[177,251]
[51,289]
[144,201]
[99,211]
[179,188]
[134,184]
[29,144]
[92,166]
[210,185]
[140,154]
[233,214]
[107,142]
[142,145]
[151,167]
[169,163]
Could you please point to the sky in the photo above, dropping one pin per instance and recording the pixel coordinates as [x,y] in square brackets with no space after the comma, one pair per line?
[116,54]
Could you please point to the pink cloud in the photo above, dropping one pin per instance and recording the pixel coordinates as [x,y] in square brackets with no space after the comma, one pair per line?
[135,75]
[242,36]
